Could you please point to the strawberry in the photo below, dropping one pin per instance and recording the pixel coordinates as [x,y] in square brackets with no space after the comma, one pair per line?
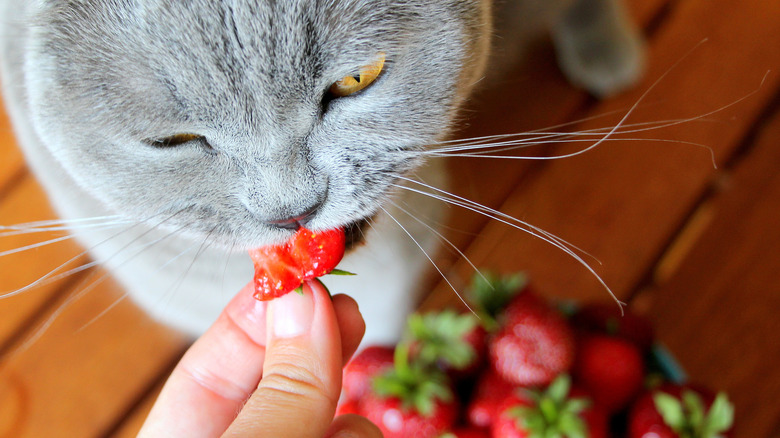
[455,342]
[611,369]
[280,269]
[558,411]
[677,411]
[535,343]
[367,364]
[607,318]
[410,399]
[489,393]
[397,421]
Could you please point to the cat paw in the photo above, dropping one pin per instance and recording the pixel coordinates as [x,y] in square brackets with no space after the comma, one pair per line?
[604,57]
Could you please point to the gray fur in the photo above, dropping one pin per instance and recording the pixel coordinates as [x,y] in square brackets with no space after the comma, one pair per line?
[89,82]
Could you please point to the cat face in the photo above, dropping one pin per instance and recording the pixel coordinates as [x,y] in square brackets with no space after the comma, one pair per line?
[113,85]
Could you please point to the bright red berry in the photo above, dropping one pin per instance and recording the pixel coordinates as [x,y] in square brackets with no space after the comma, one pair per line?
[280,269]
[611,369]
[398,421]
[489,392]
[367,364]
[534,344]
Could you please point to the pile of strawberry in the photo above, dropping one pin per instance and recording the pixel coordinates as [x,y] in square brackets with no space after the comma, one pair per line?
[521,368]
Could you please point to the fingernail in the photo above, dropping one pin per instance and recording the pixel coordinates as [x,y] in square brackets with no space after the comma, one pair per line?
[292,314]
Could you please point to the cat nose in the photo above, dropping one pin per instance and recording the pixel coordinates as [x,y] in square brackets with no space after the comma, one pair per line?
[295,222]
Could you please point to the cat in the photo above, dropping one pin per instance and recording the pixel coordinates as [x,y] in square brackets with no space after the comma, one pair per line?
[193,131]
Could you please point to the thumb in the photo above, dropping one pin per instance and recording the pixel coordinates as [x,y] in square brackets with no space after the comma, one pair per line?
[301,380]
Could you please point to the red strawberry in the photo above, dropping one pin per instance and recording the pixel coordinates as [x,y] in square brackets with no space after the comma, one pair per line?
[558,411]
[611,369]
[606,318]
[280,269]
[450,340]
[489,393]
[535,343]
[676,411]
[410,399]
[367,364]
[397,421]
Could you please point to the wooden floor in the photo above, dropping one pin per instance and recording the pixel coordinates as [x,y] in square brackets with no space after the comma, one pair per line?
[692,246]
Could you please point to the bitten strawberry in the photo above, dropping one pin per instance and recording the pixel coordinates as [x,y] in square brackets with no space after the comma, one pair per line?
[611,369]
[557,411]
[535,343]
[410,400]
[676,411]
[280,269]
[367,364]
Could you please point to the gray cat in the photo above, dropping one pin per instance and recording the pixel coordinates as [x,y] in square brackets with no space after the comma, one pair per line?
[192,131]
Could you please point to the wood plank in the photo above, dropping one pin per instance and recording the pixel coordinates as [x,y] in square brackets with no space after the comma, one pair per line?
[26,203]
[624,201]
[77,379]
[718,310]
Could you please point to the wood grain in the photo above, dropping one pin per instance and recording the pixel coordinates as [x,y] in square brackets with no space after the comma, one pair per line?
[624,201]
[718,311]
[79,376]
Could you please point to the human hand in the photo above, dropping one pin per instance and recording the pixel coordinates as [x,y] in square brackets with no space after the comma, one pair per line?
[266,369]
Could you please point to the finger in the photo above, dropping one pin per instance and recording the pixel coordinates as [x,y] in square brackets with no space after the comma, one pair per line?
[351,325]
[302,371]
[216,375]
[352,426]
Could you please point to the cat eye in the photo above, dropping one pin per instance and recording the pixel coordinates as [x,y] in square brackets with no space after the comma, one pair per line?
[352,84]
[175,140]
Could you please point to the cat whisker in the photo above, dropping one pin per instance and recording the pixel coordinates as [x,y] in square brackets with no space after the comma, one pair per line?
[158,269]
[56,274]
[443,239]
[494,214]
[515,223]
[83,291]
[62,225]
[55,240]
[489,152]
[203,246]
[430,259]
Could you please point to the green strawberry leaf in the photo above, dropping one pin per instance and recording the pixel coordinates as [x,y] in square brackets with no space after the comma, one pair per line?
[340,272]
[490,294]
[559,388]
[441,338]
[720,417]
[552,413]
[694,409]
[671,410]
